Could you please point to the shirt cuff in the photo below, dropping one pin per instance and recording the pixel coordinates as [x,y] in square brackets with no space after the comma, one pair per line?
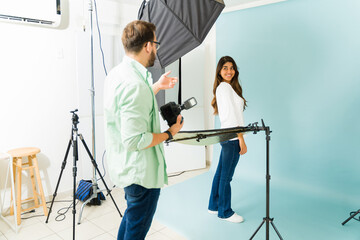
[145,140]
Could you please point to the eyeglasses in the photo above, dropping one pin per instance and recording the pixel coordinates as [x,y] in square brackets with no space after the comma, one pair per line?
[157,44]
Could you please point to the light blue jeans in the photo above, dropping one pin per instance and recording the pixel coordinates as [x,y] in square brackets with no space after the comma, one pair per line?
[220,197]
[141,206]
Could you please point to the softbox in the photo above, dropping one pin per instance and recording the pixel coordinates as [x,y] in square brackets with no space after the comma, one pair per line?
[181,25]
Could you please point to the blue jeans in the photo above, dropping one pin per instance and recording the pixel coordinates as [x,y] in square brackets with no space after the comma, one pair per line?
[141,206]
[220,197]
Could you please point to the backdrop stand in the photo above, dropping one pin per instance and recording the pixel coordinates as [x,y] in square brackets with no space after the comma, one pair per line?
[208,137]
[267,219]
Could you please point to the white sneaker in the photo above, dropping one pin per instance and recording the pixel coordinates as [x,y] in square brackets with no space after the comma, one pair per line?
[234,218]
[213,212]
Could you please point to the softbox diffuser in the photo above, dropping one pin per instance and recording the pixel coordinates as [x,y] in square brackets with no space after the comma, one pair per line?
[181,25]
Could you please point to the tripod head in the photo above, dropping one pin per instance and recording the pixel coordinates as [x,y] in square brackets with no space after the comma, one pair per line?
[74,118]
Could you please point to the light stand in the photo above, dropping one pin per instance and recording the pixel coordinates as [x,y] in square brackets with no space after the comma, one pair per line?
[351,216]
[266,219]
[92,92]
[74,143]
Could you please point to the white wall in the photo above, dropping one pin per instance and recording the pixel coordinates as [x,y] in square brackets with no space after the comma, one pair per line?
[45,73]
[38,88]
[180,157]
[198,68]
[210,67]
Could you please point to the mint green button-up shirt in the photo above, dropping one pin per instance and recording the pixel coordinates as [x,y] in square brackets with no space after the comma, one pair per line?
[131,116]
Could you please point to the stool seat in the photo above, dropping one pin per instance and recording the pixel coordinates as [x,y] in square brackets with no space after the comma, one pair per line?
[24,152]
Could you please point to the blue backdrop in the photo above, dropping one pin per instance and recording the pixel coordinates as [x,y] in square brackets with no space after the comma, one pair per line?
[299,68]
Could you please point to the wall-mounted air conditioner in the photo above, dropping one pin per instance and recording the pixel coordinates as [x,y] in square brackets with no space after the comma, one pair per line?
[41,12]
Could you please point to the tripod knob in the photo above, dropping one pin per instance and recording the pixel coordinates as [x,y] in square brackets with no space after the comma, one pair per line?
[255,126]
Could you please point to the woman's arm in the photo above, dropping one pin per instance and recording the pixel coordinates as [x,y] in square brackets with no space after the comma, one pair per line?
[243,148]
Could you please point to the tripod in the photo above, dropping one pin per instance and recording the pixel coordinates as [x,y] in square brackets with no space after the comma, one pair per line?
[266,219]
[74,143]
[353,214]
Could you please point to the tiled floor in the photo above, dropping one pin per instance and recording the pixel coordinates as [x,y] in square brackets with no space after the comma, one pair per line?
[98,222]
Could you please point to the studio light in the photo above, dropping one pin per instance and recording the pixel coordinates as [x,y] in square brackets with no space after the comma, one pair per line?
[171,110]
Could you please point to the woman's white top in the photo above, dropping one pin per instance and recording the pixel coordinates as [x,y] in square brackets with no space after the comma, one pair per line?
[230,106]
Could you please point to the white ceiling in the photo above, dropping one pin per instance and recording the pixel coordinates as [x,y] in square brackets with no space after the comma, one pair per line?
[230,5]
[233,3]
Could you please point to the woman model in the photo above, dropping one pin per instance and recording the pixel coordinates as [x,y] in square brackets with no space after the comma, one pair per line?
[229,104]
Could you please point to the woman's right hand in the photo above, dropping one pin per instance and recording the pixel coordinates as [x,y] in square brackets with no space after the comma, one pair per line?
[242,145]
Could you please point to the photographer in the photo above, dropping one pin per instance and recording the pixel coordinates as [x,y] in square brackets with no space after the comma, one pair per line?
[134,146]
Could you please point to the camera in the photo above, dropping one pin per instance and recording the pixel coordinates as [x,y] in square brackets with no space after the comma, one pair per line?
[171,110]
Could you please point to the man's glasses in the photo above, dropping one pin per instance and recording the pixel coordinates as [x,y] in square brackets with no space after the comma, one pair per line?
[157,44]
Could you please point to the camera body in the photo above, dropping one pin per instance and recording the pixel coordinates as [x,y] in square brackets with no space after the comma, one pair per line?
[171,110]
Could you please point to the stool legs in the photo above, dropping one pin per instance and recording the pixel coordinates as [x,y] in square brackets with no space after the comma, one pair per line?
[43,202]
[34,171]
[9,173]
[18,188]
[33,183]
[13,179]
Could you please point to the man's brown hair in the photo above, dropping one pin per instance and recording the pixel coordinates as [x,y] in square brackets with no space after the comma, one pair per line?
[136,34]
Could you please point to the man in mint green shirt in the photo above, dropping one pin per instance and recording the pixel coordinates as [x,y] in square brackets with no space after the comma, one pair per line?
[135,153]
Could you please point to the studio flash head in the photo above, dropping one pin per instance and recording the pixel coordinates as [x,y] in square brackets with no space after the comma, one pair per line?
[171,110]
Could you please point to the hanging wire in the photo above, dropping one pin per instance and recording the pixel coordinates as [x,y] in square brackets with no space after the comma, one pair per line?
[97,24]
[104,66]
[103,156]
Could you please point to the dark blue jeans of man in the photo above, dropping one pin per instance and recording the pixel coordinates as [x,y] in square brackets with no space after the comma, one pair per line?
[141,206]
[220,197]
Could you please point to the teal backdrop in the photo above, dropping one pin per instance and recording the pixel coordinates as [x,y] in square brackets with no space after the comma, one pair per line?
[299,68]
[299,64]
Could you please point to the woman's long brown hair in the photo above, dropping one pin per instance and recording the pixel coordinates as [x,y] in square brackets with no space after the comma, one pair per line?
[234,81]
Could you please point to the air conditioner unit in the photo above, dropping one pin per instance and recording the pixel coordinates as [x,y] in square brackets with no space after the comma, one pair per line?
[41,12]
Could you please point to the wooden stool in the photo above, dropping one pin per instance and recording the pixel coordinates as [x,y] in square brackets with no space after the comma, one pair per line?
[32,166]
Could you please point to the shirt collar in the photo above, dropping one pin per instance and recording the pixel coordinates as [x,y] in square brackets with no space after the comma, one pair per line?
[138,66]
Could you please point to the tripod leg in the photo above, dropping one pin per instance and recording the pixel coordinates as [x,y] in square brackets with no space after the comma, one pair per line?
[277,232]
[75,159]
[353,215]
[98,171]
[258,229]
[58,182]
